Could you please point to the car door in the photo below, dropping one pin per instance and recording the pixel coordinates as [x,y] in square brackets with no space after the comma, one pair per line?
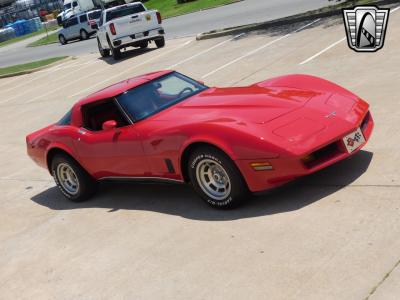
[116,152]
[73,28]
[84,23]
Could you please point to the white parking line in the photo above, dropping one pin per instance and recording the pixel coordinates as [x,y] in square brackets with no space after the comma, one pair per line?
[42,73]
[257,50]
[55,78]
[45,72]
[332,45]
[205,51]
[322,51]
[128,70]
[11,81]
[102,70]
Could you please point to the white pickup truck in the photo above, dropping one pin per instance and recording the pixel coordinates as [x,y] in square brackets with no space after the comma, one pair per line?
[128,25]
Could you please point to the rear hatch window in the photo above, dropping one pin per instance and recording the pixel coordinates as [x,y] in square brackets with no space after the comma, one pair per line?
[94,15]
[124,11]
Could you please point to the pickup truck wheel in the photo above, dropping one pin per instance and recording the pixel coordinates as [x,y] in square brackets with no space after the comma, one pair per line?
[115,52]
[160,42]
[84,35]
[216,178]
[62,39]
[103,52]
[144,44]
[73,181]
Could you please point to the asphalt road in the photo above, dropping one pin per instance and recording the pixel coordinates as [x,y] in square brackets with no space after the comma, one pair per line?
[331,235]
[248,11]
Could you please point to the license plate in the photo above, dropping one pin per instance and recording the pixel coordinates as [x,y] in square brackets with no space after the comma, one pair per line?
[139,35]
[353,140]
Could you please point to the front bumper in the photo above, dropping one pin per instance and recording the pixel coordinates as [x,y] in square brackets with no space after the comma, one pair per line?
[286,169]
[134,39]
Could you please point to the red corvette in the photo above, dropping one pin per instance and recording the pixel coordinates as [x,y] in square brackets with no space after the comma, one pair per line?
[225,141]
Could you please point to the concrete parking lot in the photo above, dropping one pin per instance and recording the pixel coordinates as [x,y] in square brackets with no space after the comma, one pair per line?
[332,235]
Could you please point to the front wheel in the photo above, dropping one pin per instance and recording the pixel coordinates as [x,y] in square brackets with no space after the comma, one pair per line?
[216,178]
[73,181]
[103,52]
[160,42]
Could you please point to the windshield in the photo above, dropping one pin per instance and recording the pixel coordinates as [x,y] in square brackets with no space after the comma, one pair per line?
[150,98]
[67,6]
[124,11]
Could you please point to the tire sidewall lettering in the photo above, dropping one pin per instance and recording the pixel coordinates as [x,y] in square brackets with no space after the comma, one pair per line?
[193,166]
[203,156]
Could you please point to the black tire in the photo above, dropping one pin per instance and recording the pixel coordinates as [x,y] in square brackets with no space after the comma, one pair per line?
[115,52]
[86,186]
[144,44]
[62,39]
[235,191]
[103,52]
[83,34]
[160,42]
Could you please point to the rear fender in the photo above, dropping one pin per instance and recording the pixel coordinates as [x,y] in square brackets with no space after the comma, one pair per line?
[58,146]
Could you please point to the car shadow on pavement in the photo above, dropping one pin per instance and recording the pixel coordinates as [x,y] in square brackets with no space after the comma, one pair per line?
[127,55]
[180,200]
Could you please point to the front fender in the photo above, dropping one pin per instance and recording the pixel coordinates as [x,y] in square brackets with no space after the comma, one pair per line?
[237,141]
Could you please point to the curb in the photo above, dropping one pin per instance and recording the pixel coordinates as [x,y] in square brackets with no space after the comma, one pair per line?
[37,69]
[279,22]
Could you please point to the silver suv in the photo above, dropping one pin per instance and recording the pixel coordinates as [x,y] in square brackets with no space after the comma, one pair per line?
[79,26]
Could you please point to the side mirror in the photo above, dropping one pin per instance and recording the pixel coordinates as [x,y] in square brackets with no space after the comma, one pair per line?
[95,26]
[108,125]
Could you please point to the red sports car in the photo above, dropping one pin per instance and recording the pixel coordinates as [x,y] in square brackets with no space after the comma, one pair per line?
[226,142]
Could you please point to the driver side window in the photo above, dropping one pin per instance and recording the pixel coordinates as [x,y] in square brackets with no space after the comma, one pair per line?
[95,114]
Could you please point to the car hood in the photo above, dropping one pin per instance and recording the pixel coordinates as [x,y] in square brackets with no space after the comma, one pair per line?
[253,104]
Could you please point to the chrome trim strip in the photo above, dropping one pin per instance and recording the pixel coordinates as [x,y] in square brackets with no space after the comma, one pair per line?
[123,111]
[141,179]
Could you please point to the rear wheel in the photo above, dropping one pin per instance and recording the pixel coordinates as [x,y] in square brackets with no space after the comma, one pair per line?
[73,181]
[62,39]
[216,178]
[160,42]
[103,52]
[144,44]
[84,35]
[115,52]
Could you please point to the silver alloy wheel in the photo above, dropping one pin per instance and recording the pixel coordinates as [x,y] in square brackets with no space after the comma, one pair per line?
[213,179]
[67,179]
